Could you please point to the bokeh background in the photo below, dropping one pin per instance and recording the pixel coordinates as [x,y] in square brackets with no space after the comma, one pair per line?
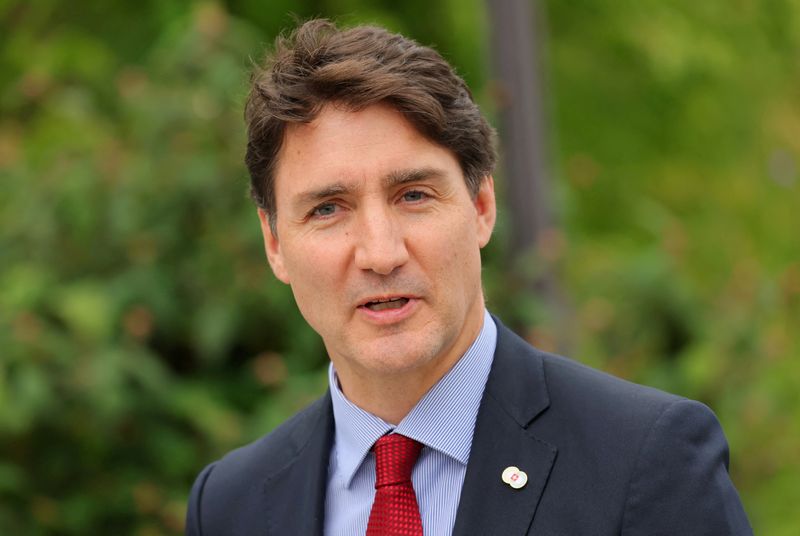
[142,334]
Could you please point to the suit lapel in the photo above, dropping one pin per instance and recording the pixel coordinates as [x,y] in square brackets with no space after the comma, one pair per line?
[295,493]
[516,393]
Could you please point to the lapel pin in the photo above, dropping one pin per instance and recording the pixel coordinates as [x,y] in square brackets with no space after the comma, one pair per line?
[514,477]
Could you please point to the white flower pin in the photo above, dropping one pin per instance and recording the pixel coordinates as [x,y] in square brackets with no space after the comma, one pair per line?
[514,477]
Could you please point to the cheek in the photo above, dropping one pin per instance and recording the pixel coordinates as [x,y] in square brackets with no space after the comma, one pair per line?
[316,268]
[450,256]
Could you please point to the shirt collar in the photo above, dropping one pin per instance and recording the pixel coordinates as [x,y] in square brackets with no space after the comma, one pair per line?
[443,419]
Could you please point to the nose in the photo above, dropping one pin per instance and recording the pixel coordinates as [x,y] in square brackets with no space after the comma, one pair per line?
[380,244]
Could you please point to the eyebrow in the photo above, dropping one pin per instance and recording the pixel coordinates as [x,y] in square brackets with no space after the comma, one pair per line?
[404,176]
[314,196]
[392,179]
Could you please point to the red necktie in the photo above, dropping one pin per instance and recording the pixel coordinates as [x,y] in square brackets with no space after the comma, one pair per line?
[395,511]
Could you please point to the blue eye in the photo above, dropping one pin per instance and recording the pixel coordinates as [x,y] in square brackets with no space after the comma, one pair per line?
[326,209]
[414,195]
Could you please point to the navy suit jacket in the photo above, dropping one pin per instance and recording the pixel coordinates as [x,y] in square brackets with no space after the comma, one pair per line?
[603,457]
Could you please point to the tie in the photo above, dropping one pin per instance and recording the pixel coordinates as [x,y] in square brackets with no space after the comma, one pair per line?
[395,511]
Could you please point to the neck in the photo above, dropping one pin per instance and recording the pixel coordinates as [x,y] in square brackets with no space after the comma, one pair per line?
[391,400]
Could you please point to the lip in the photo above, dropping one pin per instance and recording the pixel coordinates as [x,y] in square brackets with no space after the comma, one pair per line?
[387,316]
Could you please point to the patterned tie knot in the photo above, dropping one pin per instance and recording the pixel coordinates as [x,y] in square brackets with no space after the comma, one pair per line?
[395,456]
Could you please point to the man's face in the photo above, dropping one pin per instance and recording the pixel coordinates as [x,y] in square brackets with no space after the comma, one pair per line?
[380,241]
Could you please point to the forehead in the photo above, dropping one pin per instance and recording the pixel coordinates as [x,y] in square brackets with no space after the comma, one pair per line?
[344,145]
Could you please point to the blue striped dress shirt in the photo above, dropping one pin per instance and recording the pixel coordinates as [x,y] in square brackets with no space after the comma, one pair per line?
[443,421]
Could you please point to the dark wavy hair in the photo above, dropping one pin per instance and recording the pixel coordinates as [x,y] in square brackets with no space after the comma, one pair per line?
[319,63]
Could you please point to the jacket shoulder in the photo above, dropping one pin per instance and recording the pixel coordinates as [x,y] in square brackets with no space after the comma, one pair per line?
[227,489]
[573,383]
[569,390]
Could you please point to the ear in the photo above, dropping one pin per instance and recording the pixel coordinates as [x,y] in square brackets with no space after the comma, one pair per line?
[486,210]
[273,248]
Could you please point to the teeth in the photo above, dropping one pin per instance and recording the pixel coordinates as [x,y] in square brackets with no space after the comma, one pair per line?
[395,303]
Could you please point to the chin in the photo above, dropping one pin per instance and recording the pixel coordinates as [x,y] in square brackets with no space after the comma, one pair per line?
[397,355]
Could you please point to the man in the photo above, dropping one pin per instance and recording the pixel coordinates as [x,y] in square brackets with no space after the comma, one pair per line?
[371,168]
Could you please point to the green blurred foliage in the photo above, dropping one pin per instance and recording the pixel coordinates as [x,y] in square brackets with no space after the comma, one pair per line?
[141,334]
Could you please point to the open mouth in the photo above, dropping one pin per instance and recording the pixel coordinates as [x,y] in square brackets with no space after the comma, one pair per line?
[389,303]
